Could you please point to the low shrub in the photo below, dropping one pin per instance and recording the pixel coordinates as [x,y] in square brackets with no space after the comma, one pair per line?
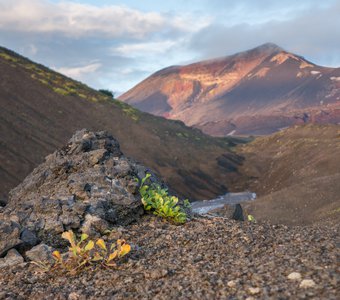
[85,252]
[107,93]
[157,200]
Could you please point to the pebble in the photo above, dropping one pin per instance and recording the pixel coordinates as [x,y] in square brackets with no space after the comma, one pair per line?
[254,290]
[216,263]
[156,274]
[294,276]
[73,296]
[307,283]
[231,283]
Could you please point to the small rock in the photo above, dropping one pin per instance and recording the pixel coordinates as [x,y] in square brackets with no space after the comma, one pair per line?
[238,213]
[12,258]
[40,253]
[294,276]
[94,226]
[254,290]
[9,232]
[73,296]
[307,283]
[28,238]
[97,156]
[231,284]
[156,274]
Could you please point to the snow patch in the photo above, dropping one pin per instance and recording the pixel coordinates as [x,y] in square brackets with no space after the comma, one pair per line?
[315,72]
[231,132]
[335,78]
[300,74]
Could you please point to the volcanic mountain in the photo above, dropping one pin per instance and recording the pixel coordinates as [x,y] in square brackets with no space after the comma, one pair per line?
[259,91]
[41,109]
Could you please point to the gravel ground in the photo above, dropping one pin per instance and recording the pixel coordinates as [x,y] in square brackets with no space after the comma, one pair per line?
[207,258]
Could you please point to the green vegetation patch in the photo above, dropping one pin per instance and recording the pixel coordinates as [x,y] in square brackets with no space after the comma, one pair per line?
[61,91]
[83,253]
[157,200]
[131,112]
[8,57]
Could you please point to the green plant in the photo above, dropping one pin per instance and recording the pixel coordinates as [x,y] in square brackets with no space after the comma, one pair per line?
[107,93]
[186,203]
[61,91]
[251,218]
[157,200]
[83,253]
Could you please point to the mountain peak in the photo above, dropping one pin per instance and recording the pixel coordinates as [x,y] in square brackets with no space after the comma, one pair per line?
[232,94]
[268,47]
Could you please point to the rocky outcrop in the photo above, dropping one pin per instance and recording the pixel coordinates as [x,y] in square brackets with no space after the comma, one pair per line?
[86,186]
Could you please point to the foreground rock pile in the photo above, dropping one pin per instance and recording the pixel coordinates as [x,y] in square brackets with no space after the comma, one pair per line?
[87,186]
[203,259]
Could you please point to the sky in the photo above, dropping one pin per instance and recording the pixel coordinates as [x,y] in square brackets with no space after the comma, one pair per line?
[116,44]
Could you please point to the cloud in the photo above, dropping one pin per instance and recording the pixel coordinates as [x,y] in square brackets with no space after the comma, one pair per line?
[116,46]
[138,49]
[98,44]
[79,72]
[314,33]
[78,20]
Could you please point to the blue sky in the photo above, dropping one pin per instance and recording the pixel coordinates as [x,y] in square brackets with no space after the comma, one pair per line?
[116,44]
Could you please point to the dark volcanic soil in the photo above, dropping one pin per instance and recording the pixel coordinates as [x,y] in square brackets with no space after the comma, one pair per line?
[296,174]
[204,259]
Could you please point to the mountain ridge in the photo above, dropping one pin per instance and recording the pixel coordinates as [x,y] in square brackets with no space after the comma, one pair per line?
[42,108]
[222,95]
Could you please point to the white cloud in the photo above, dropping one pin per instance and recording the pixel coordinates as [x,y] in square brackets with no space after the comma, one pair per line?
[77,20]
[138,49]
[79,72]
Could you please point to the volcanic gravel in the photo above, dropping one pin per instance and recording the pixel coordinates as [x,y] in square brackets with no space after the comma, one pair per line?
[207,258]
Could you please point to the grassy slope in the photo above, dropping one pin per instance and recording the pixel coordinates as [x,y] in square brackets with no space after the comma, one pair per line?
[41,109]
[296,174]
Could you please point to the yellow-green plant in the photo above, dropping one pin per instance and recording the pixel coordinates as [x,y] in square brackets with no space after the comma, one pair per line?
[83,253]
[157,200]
[251,218]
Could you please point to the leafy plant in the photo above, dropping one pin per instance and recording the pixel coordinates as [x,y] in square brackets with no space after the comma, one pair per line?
[83,253]
[107,92]
[251,218]
[186,203]
[157,200]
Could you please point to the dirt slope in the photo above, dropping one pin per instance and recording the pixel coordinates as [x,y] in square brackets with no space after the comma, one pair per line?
[258,91]
[41,109]
[296,174]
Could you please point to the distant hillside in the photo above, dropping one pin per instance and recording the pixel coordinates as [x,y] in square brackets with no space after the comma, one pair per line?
[41,109]
[259,91]
[296,174]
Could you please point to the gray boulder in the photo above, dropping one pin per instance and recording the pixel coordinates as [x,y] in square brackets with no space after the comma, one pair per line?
[86,186]
[11,259]
[40,253]
[9,235]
